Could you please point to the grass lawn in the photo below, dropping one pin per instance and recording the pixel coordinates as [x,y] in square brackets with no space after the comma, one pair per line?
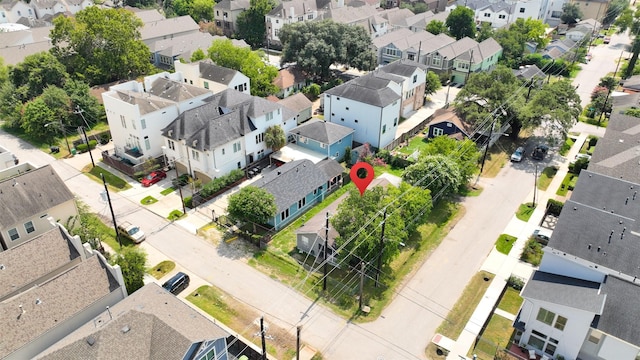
[176,215]
[532,252]
[167,191]
[564,149]
[461,312]
[388,169]
[495,336]
[113,181]
[546,176]
[242,319]
[568,183]
[470,190]
[148,200]
[416,143]
[525,211]
[108,233]
[510,301]
[505,243]
[162,269]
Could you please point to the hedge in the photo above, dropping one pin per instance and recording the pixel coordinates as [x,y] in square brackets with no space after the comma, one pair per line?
[83,147]
[220,183]
[554,207]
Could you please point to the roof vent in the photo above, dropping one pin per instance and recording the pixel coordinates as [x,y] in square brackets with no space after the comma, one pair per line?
[91,340]
[2,267]
[38,301]
[125,329]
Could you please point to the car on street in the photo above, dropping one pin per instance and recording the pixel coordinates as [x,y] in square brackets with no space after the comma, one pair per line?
[588,57]
[539,152]
[607,39]
[518,155]
[132,232]
[177,283]
[153,178]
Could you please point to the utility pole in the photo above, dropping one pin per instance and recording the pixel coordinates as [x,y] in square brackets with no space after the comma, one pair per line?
[298,342]
[535,186]
[469,70]
[264,344]
[384,221]
[184,209]
[324,253]
[113,215]
[618,65]
[361,285]
[486,150]
[93,164]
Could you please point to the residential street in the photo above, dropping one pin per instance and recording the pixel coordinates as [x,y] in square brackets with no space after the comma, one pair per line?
[409,322]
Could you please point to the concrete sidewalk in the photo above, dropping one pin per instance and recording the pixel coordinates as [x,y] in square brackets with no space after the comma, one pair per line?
[503,266]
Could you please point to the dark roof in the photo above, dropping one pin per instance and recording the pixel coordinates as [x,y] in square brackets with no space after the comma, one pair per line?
[296,103]
[160,326]
[226,116]
[632,83]
[448,116]
[293,181]
[372,88]
[404,68]
[47,253]
[32,193]
[331,168]
[322,131]
[612,240]
[528,72]
[625,100]
[620,317]
[622,197]
[565,291]
[174,90]
[213,72]
[617,153]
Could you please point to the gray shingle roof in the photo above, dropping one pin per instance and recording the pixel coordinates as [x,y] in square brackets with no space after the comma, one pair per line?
[322,131]
[617,152]
[168,27]
[455,49]
[32,193]
[161,326]
[566,291]
[330,167]
[61,298]
[297,102]
[482,51]
[622,197]
[213,72]
[404,68]
[293,181]
[47,253]
[620,317]
[146,102]
[232,5]
[175,90]
[371,89]
[528,72]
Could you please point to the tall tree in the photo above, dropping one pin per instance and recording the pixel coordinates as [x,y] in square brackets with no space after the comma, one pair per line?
[251,26]
[465,153]
[250,63]
[39,121]
[485,31]
[82,100]
[34,73]
[438,173]
[630,19]
[616,7]
[556,106]
[432,84]
[202,10]
[252,204]
[101,45]
[57,101]
[513,39]
[570,13]
[436,27]
[132,262]
[460,23]
[316,45]
[10,105]
[275,137]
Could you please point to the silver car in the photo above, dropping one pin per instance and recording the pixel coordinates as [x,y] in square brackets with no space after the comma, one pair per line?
[518,154]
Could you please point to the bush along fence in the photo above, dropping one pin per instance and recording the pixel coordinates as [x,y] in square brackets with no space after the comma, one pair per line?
[215,187]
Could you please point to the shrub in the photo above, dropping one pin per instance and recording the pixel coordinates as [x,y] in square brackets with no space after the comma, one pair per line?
[220,183]
[81,148]
[188,202]
[379,162]
[593,141]
[384,155]
[312,91]
[347,155]
[515,282]
[554,207]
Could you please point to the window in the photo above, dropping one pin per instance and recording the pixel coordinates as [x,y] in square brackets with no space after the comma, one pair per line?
[222,151]
[310,16]
[521,10]
[561,322]
[147,143]
[437,131]
[302,202]
[133,123]
[206,84]
[259,138]
[411,56]
[195,155]
[556,14]
[276,31]
[545,316]
[415,79]
[277,21]
[542,342]
[300,18]
[172,146]
[284,215]
[217,13]
[487,15]
[501,16]
[143,123]
[236,147]
[464,66]
[123,121]
[303,139]
[390,52]
[224,14]
[323,145]
[436,60]
[13,234]
[395,121]
[269,116]
[384,129]
[28,226]
[341,119]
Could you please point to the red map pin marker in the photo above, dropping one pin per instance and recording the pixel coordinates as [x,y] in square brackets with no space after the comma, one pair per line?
[361,183]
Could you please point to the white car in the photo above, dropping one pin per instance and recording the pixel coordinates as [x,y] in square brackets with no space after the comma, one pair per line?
[518,154]
[542,235]
[131,231]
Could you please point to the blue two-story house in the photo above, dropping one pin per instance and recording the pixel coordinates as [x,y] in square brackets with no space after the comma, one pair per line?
[298,185]
[323,137]
[446,122]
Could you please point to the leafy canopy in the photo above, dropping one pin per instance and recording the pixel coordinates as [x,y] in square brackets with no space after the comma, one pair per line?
[252,204]
[275,137]
[132,261]
[460,23]
[250,23]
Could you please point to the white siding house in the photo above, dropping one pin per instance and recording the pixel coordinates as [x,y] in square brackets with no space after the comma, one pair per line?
[205,74]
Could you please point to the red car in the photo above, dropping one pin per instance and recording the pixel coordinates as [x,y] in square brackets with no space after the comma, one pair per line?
[153,178]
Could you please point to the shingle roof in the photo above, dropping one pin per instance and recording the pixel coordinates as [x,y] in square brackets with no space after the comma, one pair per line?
[293,181]
[297,102]
[617,152]
[145,15]
[370,89]
[621,197]
[632,82]
[161,326]
[61,298]
[351,15]
[488,47]
[288,77]
[300,8]
[174,90]
[213,72]
[32,193]
[47,253]
[448,115]
[528,72]
[146,102]
[404,68]
[168,27]
[564,290]
[232,5]
[453,50]
[620,317]
[322,131]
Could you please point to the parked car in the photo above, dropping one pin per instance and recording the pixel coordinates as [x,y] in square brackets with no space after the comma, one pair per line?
[518,155]
[588,57]
[539,152]
[583,156]
[177,283]
[180,181]
[542,235]
[607,39]
[153,178]
[131,231]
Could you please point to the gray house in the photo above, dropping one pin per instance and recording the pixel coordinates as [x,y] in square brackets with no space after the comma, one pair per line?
[300,104]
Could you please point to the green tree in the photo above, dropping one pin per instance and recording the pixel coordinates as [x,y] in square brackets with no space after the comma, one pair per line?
[465,153]
[609,82]
[202,10]
[251,26]
[570,13]
[630,20]
[513,39]
[182,7]
[101,45]
[132,261]
[436,27]
[316,45]
[485,31]
[275,138]
[600,101]
[252,204]
[10,105]
[34,73]
[460,23]
[86,225]
[432,84]
[616,7]
[82,100]
[57,101]
[4,72]
[250,63]
[36,114]
[556,105]
[438,173]
[491,95]
[198,55]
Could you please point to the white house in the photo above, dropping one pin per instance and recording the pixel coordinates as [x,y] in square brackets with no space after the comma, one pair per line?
[207,75]
[138,112]
[502,13]
[47,7]
[12,11]
[290,12]
[225,133]
[226,14]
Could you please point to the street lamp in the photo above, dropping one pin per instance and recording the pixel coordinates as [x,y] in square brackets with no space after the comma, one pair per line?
[59,123]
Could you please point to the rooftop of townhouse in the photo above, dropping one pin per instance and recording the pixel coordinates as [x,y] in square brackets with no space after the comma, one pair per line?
[566,291]
[617,152]
[372,89]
